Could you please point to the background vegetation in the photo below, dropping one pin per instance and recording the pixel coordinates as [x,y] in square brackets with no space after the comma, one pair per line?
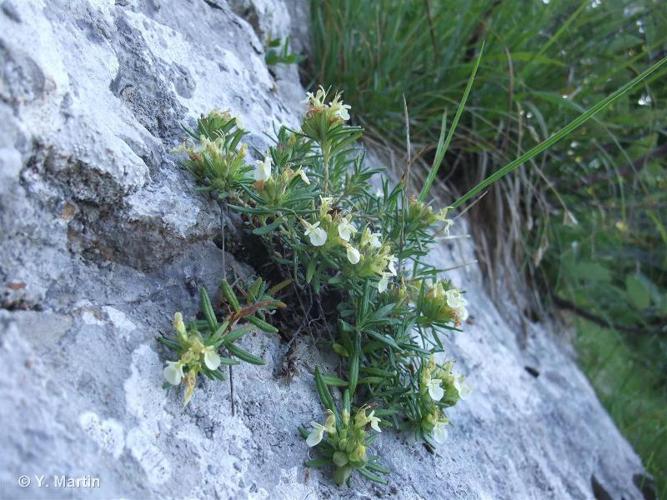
[586,222]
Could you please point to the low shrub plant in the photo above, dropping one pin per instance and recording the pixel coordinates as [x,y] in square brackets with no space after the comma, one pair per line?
[343,231]
[311,201]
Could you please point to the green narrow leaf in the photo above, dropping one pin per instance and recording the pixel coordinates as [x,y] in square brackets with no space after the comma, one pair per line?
[444,145]
[303,431]
[247,210]
[310,271]
[371,475]
[230,296]
[592,271]
[236,334]
[371,370]
[384,311]
[375,467]
[371,380]
[323,392]
[259,231]
[333,380]
[561,134]
[280,286]
[168,342]
[366,299]
[217,335]
[244,355]
[253,290]
[262,325]
[385,339]
[354,370]
[207,309]
[317,462]
[229,361]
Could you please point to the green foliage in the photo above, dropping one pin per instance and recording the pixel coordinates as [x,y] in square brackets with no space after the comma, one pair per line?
[343,439]
[586,219]
[198,344]
[214,156]
[312,205]
[278,52]
[633,393]
[539,58]
[544,63]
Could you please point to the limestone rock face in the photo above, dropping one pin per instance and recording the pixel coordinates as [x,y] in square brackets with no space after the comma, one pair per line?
[103,237]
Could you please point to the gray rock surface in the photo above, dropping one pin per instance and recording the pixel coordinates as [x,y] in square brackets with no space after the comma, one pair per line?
[103,237]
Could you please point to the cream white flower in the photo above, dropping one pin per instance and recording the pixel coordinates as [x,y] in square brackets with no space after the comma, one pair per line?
[391,265]
[374,241]
[325,203]
[461,313]
[346,229]
[330,422]
[455,299]
[353,255]
[316,435]
[315,233]
[440,432]
[342,113]
[263,169]
[303,176]
[173,372]
[384,282]
[316,101]
[211,358]
[374,421]
[340,109]
[435,389]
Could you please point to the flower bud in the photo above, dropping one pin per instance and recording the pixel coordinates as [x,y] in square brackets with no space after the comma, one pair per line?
[340,459]
[190,380]
[359,454]
[179,326]
[330,423]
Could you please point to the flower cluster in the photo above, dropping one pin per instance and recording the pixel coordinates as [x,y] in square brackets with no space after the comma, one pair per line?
[364,249]
[214,154]
[344,441]
[275,190]
[198,344]
[439,389]
[195,357]
[443,304]
[336,111]
[421,216]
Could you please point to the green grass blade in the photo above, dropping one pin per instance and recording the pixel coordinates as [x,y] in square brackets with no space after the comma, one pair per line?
[561,134]
[561,31]
[443,146]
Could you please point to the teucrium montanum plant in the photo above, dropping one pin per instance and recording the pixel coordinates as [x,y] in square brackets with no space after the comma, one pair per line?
[200,343]
[311,201]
